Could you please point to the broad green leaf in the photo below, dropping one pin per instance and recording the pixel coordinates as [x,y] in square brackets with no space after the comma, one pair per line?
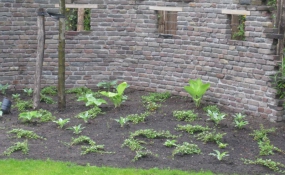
[121,88]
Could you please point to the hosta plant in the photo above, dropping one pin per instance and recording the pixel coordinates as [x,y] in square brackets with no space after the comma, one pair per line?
[186,148]
[188,116]
[22,105]
[90,100]
[23,146]
[21,133]
[61,122]
[219,155]
[16,97]
[76,129]
[117,97]
[84,116]
[197,89]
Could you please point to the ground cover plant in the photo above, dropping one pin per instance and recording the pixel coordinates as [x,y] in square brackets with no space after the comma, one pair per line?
[144,145]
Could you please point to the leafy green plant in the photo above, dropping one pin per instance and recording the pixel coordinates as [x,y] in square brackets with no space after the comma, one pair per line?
[170,143]
[82,139]
[90,114]
[117,97]
[49,90]
[216,117]
[28,91]
[219,155]
[39,116]
[136,118]
[239,35]
[186,148]
[261,133]
[122,121]
[207,136]
[188,116]
[22,105]
[46,99]
[156,97]
[278,80]
[213,108]
[89,99]
[141,154]
[84,115]
[133,144]
[3,88]
[152,106]
[16,97]
[25,133]
[93,149]
[239,120]
[79,90]
[275,166]
[23,146]
[222,145]
[191,129]
[196,90]
[61,122]
[76,129]
[108,85]
[151,134]
[266,148]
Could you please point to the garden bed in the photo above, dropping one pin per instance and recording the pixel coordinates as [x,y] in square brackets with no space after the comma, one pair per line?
[104,130]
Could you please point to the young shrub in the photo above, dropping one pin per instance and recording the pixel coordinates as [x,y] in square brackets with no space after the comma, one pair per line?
[186,148]
[118,97]
[187,116]
[23,146]
[219,155]
[197,89]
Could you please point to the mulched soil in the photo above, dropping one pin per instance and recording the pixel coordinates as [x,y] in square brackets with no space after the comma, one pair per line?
[105,130]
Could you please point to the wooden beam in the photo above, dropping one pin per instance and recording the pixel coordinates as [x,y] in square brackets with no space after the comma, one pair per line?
[235,12]
[74,6]
[171,9]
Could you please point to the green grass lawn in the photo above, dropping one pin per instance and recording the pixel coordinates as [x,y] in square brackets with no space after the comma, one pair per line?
[36,167]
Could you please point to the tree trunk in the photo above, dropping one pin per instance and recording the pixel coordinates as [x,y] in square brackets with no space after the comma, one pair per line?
[61,58]
[80,19]
[40,57]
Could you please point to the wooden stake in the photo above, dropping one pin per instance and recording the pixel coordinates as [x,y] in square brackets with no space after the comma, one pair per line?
[40,57]
[80,19]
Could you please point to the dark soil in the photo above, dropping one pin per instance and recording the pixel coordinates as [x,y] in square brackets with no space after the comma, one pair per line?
[105,130]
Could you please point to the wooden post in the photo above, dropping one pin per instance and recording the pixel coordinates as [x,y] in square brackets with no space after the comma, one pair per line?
[80,19]
[40,57]
[61,58]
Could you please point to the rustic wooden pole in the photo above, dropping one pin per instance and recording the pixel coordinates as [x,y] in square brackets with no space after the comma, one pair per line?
[80,19]
[40,57]
[61,58]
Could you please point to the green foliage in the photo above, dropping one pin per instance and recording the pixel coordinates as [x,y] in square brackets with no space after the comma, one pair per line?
[141,154]
[213,108]
[272,3]
[196,90]
[239,120]
[3,88]
[222,145]
[24,133]
[278,80]
[122,121]
[239,35]
[49,90]
[260,134]
[28,91]
[136,118]
[84,115]
[191,129]
[275,166]
[71,19]
[188,116]
[23,146]
[108,85]
[90,100]
[22,105]
[16,97]
[186,148]
[93,149]
[152,106]
[219,155]
[76,129]
[46,99]
[87,19]
[133,144]
[170,143]
[151,100]
[151,134]
[79,90]
[117,97]
[207,136]
[39,116]
[216,117]
[90,114]
[82,139]
[61,122]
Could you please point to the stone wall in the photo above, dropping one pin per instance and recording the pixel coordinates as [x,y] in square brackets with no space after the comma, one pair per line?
[124,44]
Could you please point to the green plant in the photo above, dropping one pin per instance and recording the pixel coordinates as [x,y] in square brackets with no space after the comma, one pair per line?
[71,19]
[61,122]
[76,129]
[3,88]
[170,143]
[25,133]
[278,80]
[213,108]
[122,121]
[16,97]
[140,154]
[136,118]
[89,99]
[87,21]
[91,113]
[133,144]
[216,117]
[156,97]
[93,149]
[239,34]
[275,166]
[22,105]
[84,115]
[188,116]
[151,134]
[272,3]
[196,90]
[82,139]
[118,97]
[186,148]
[222,145]
[266,148]
[28,91]
[261,133]
[23,146]
[207,136]
[152,106]
[191,129]
[219,155]
[108,85]
[46,99]
[49,90]
[239,120]
[39,115]
[79,90]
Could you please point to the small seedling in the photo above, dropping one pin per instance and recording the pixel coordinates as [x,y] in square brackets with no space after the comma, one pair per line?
[84,115]
[28,91]
[23,146]
[76,129]
[117,97]
[3,88]
[216,117]
[170,143]
[122,121]
[133,144]
[222,145]
[186,148]
[61,122]
[219,155]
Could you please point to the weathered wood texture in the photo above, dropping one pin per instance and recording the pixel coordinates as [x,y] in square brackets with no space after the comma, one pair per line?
[40,57]
[80,19]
